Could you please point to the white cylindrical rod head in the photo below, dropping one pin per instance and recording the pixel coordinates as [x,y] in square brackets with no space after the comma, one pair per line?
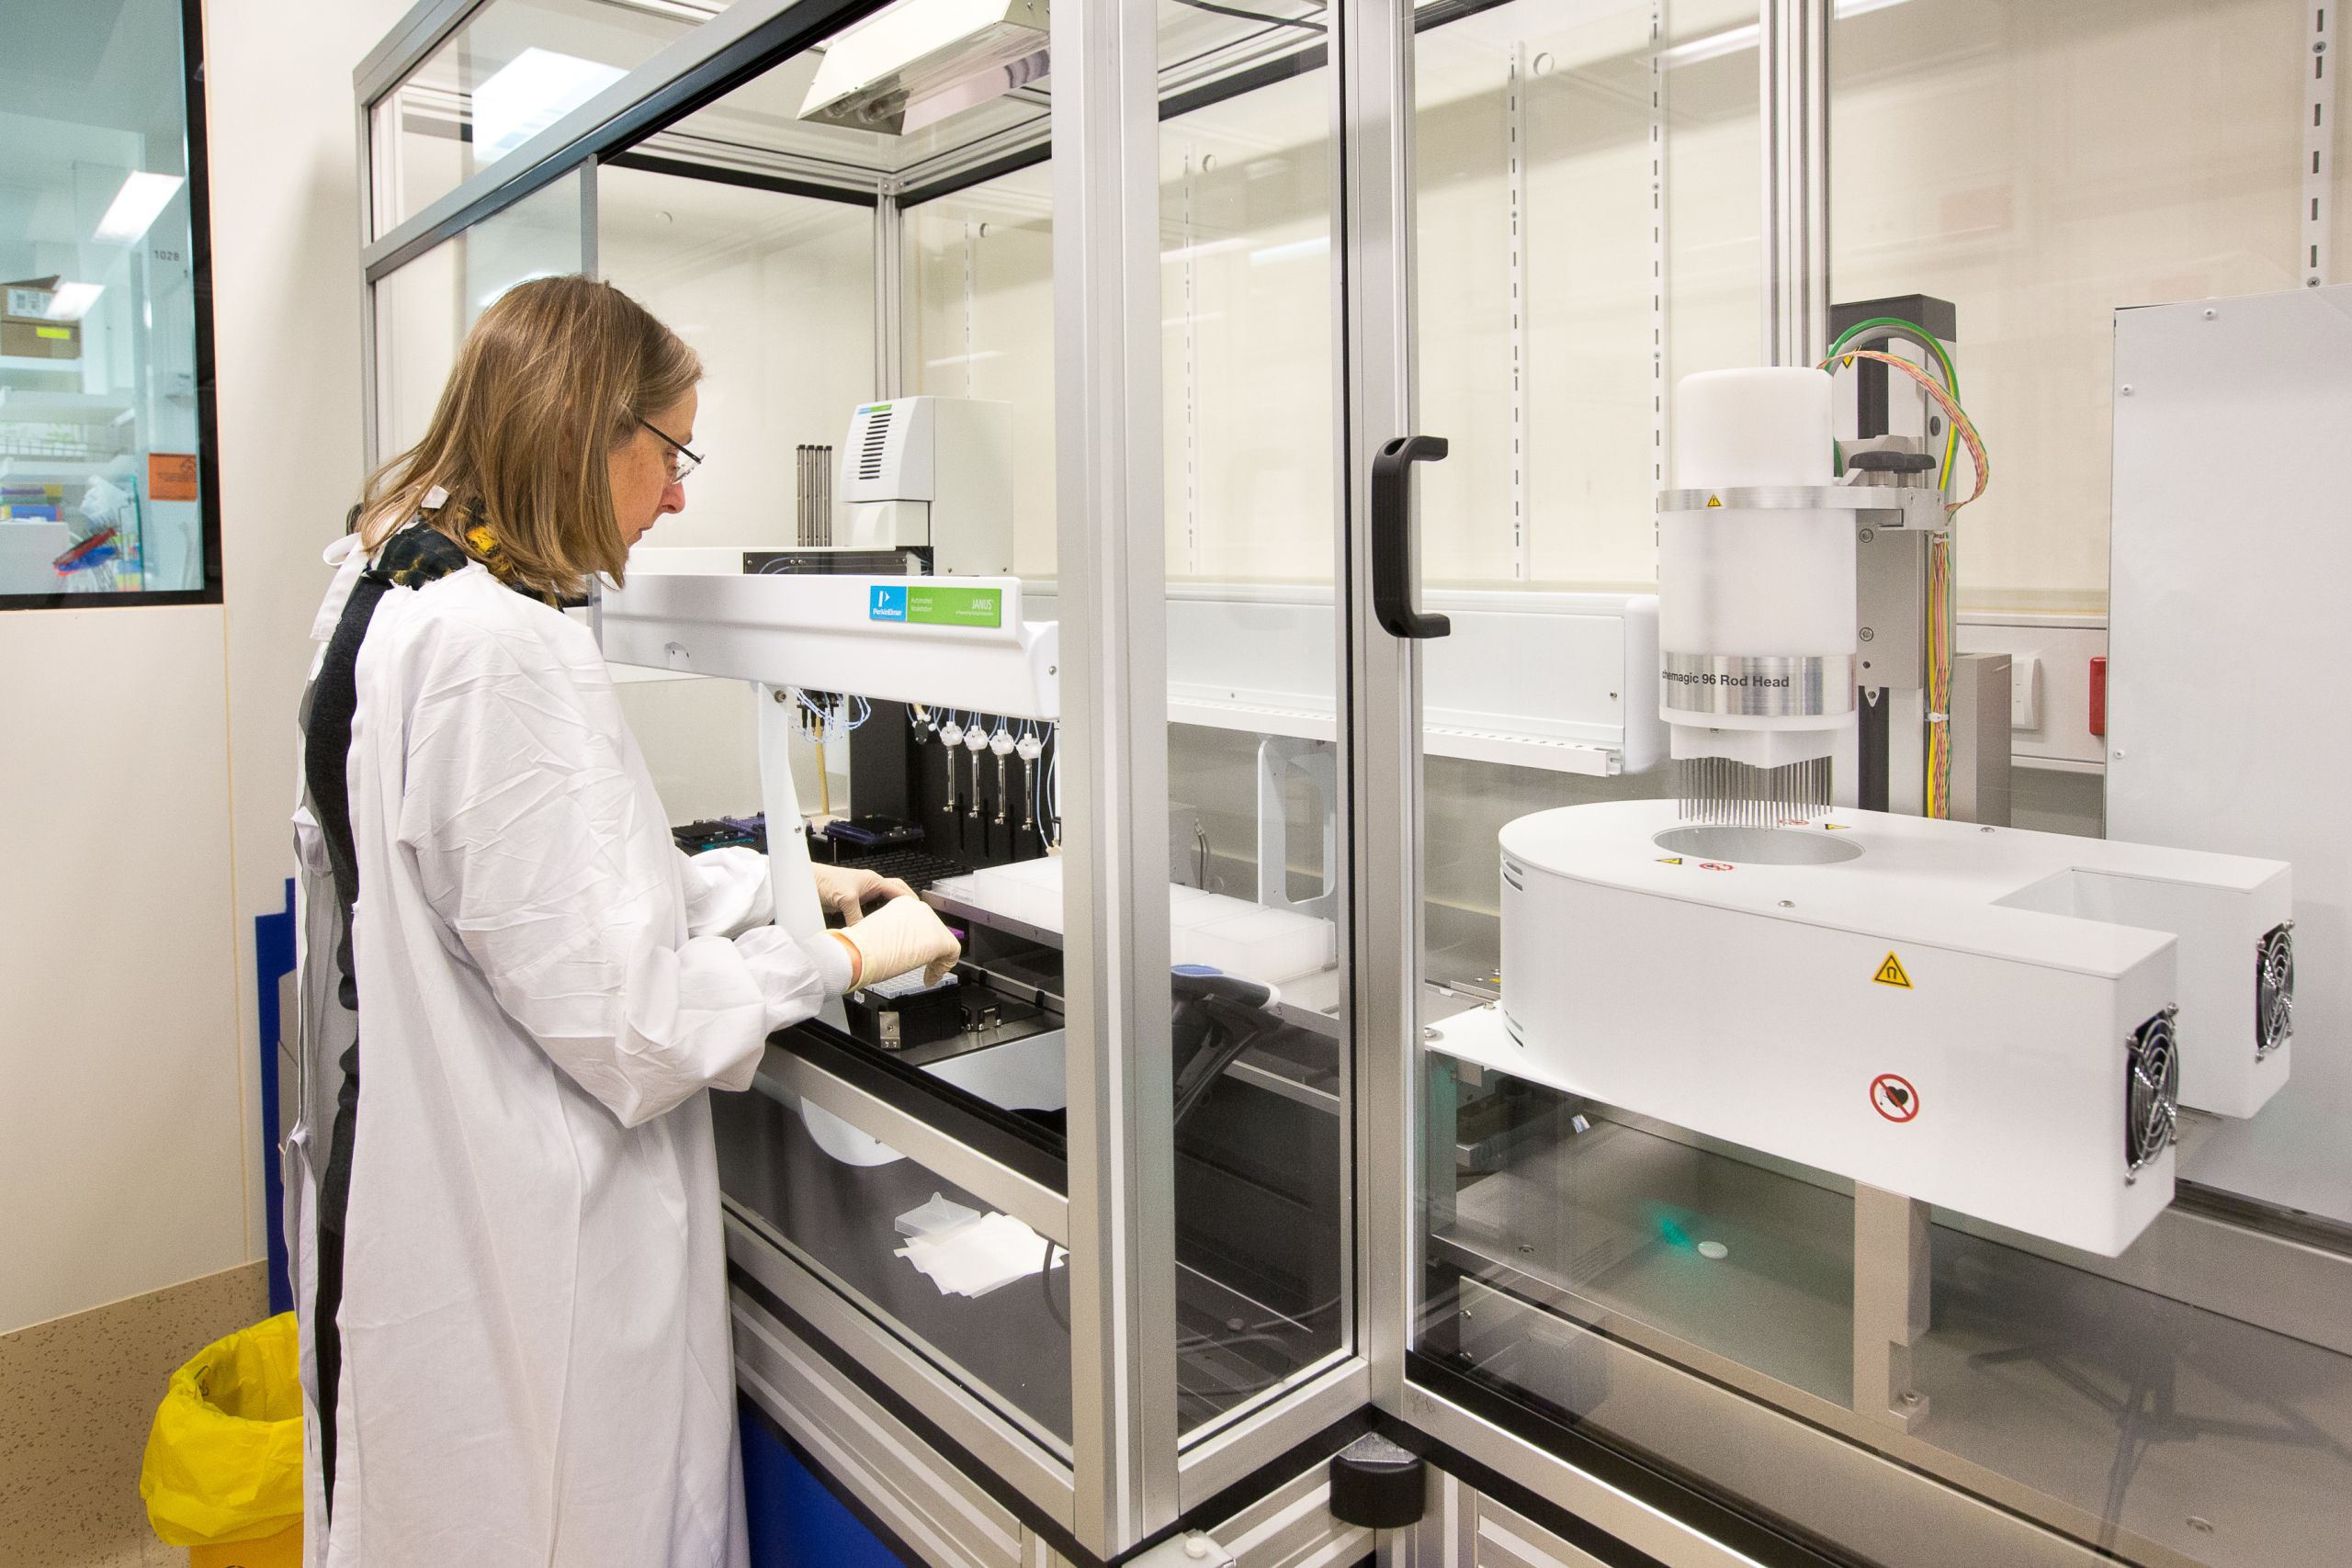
[1753,427]
[1756,603]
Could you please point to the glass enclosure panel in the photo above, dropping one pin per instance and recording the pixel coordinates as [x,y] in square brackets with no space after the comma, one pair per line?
[2148,1424]
[509,71]
[99,487]
[783,121]
[1248,376]
[2169,1383]
[2124,155]
[851,1225]
[1245,391]
[1580,185]
[1589,233]
[767,124]
[775,291]
[753,231]
[979,323]
[424,309]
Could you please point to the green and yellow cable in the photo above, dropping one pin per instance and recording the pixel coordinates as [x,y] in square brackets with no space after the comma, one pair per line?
[1942,606]
[1895,326]
[1961,426]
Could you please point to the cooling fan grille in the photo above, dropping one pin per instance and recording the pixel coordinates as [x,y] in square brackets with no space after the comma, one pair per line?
[2274,992]
[2152,1092]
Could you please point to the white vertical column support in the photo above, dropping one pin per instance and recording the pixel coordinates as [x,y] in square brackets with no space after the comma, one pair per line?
[1278,756]
[1892,1258]
[1516,89]
[1660,362]
[792,882]
[1381,754]
[1114,768]
[1794,99]
[889,293]
[973,228]
[1188,239]
[2319,144]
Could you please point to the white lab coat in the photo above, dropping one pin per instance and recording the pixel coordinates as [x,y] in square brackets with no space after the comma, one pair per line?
[536,1358]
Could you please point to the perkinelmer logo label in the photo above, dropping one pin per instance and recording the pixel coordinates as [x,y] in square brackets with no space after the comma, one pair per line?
[936,604]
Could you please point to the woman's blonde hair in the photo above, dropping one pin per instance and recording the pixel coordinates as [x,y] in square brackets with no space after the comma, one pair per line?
[558,373]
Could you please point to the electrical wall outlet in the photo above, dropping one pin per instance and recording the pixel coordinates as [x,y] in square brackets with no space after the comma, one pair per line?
[2025,691]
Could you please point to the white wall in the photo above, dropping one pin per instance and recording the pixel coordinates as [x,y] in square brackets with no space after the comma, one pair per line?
[2042,166]
[120,1120]
[286,316]
[149,764]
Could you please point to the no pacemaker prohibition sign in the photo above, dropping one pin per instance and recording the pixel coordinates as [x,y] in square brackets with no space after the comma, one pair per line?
[1892,1097]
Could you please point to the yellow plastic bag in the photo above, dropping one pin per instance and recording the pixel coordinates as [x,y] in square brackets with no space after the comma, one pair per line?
[224,1458]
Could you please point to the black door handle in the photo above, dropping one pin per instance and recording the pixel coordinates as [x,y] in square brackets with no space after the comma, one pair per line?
[1392,536]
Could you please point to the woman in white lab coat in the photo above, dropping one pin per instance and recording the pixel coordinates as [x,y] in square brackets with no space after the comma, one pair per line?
[512,1274]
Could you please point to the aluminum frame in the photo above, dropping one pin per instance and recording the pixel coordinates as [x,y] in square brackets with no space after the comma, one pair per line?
[1381,762]
[1793,58]
[1230,1454]
[889,297]
[363,153]
[944,1517]
[738,43]
[1115,766]
[886,1465]
[1032,1202]
[404,47]
[588,263]
[1011,1454]
[1629,1518]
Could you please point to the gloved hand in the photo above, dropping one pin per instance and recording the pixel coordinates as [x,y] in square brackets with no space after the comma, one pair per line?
[848,890]
[901,936]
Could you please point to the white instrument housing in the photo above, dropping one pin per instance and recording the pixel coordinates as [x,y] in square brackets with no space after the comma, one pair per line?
[932,471]
[958,642]
[1943,1010]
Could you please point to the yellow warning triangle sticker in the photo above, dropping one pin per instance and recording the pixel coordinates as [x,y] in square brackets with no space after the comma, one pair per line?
[1714,501]
[1891,973]
[1666,860]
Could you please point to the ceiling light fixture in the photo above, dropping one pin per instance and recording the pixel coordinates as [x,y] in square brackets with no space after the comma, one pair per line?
[136,205]
[530,93]
[72,301]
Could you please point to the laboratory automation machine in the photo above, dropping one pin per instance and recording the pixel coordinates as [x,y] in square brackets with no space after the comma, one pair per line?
[1572,951]
[2060,999]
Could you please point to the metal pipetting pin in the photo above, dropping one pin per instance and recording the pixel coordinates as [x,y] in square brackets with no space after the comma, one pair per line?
[976,740]
[1001,743]
[951,735]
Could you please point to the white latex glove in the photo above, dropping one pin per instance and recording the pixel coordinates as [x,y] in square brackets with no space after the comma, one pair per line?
[848,890]
[901,936]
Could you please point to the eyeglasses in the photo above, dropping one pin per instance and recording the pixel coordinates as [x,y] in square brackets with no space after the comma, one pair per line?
[682,462]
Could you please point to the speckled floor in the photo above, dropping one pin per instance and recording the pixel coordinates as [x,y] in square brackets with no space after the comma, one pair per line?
[76,1396]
